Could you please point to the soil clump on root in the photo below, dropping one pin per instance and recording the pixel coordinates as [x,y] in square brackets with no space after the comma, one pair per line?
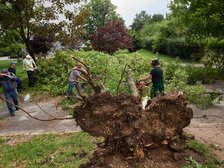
[135,137]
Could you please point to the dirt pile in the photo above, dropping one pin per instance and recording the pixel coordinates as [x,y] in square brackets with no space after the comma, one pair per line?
[130,131]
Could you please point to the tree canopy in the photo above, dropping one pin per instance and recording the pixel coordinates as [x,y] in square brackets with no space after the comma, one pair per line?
[203,18]
[143,18]
[31,17]
[101,12]
[111,37]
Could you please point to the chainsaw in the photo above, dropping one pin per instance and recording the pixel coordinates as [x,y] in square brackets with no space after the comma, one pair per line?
[141,85]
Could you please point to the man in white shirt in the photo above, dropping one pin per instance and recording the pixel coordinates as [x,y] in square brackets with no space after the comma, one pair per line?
[29,66]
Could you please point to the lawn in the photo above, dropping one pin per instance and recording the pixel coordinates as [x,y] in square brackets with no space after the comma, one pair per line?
[150,55]
[62,150]
[68,150]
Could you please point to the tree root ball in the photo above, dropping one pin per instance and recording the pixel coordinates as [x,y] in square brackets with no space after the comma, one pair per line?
[127,128]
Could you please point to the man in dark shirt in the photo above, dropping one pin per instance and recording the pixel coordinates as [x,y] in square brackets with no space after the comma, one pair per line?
[156,75]
[12,69]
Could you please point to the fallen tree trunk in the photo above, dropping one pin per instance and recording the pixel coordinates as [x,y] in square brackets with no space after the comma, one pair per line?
[131,85]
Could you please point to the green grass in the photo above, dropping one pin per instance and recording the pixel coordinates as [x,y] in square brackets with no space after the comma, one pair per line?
[210,159]
[150,55]
[61,151]
[64,151]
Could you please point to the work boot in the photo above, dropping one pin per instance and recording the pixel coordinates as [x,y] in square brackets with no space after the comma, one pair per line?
[12,114]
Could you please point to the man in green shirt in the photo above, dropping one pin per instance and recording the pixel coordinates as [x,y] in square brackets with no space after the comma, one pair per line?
[156,75]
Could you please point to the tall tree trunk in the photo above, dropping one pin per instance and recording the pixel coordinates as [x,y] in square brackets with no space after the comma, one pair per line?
[26,39]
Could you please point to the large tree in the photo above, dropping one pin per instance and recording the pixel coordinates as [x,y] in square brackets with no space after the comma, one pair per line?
[111,37]
[40,17]
[143,18]
[204,18]
[101,12]
[140,20]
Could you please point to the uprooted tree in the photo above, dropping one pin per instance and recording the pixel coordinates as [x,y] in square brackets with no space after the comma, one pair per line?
[152,134]
[131,132]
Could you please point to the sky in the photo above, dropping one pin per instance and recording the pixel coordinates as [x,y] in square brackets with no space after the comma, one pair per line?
[129,8]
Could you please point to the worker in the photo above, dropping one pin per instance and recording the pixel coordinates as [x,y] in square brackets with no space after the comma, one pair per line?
[12,69]
[74,77]
[156,75]
[9,84]
[29,66]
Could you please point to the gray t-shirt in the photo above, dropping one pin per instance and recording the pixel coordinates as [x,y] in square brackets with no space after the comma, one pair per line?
[74,75]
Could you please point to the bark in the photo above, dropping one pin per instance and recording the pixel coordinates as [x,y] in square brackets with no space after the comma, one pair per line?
[26,38]
[131,85]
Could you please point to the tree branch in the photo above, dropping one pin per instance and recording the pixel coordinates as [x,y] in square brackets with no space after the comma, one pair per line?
[96,89]
[45,111]
[122,75]
[39,119]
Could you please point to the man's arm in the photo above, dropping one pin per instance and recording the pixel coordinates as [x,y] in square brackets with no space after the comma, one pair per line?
[82,78]
[146,78]
[33,62]
[10,76]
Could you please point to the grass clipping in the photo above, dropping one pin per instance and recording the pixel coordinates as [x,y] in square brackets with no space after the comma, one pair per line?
[131,133]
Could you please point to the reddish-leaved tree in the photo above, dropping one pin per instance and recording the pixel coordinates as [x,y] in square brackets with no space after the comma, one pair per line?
[111,37]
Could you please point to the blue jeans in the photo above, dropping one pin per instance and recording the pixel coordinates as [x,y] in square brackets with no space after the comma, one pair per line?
[70,87]
[12,97]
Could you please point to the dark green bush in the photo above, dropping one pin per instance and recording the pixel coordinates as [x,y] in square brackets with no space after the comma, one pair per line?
[176,47]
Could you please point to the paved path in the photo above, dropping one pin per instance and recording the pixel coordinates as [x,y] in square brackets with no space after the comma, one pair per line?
[23,124]
[5,58]
[210,128]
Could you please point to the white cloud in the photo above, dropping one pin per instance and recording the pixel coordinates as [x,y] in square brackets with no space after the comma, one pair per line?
[129,8]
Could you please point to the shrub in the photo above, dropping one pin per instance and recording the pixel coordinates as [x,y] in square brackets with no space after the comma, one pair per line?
[214,54]
[195,94]
[176,47]
[203,74]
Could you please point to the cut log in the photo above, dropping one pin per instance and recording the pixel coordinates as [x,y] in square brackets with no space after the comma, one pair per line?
[131,85]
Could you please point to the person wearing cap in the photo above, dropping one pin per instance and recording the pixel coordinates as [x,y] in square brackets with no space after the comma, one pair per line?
[30,66]
[12,69]
[74,77]
[9,84]
[156,75]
